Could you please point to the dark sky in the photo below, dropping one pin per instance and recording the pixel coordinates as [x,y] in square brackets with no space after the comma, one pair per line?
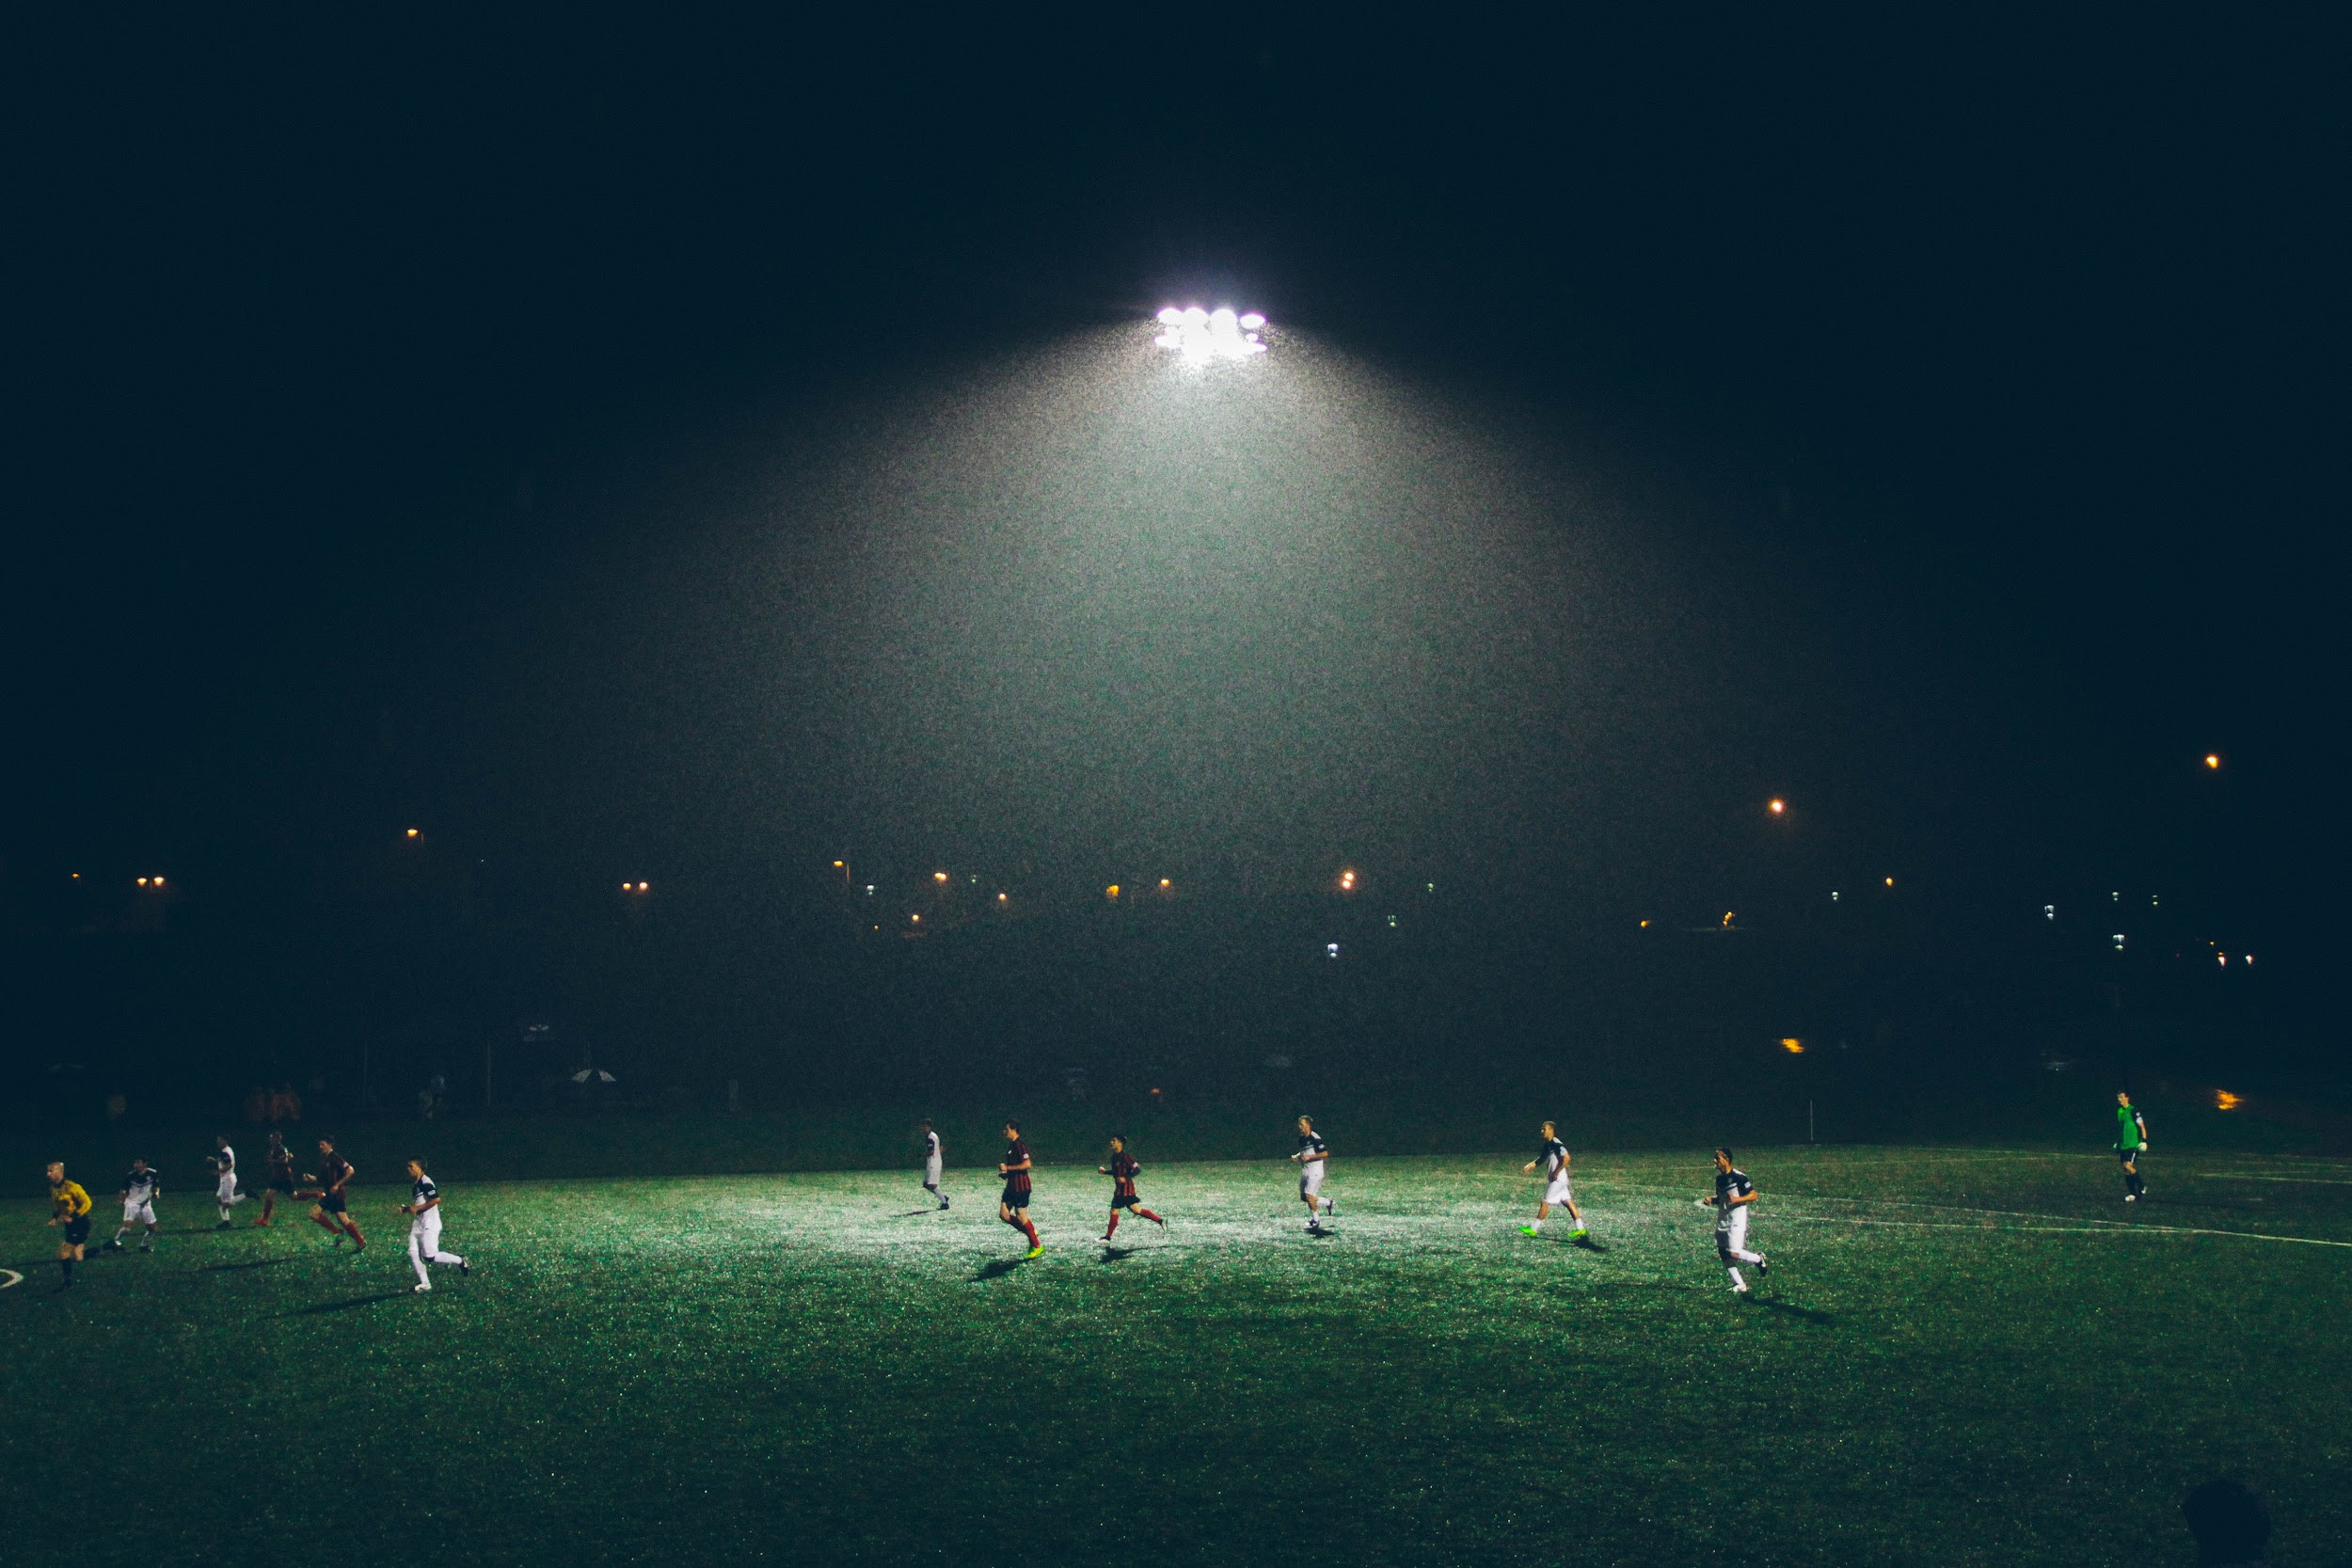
[639,440]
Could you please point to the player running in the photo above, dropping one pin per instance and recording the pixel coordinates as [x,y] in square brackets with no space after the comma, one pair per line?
[1013,1205]
[1553,1157]
[332,1211]
[281,1176]
[141,1189]
[223,1164]
[1312,1151]
[1733,1195]
[1123,1170]
[69,1205]
[2131,1142]
[424,1226]
[933,1163]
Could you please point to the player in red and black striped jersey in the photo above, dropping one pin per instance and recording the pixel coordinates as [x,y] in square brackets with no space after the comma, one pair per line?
[281,1176]
[1012,1206]
[1123,1170]
[332,1211]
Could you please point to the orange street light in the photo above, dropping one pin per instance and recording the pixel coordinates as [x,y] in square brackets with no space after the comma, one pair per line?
[2212,759]
[1777,806]
[1794,1047]
[412,832]
[940,877]
[1111,892]
[1347,882]
[1890,881]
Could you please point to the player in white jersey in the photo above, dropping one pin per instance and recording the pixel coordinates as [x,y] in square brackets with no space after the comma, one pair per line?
[225,1193]
[1553,1157]
[1734,1196]
[1312,1152]
[424,1210]
[932,1163]
[141,1189]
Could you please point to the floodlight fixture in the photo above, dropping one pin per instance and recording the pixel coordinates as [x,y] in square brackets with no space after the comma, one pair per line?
[1199,337]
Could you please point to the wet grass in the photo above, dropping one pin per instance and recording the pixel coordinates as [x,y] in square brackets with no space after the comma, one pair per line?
[1961,1356]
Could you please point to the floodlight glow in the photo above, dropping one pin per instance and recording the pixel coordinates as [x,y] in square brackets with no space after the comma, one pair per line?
[1200,335]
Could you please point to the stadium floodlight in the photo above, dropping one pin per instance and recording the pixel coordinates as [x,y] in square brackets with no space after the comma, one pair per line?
[1197,336]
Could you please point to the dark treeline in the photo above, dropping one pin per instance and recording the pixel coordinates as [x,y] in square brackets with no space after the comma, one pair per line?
[787,991]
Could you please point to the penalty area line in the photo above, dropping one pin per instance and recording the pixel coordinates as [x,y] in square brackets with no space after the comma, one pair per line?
[14,1279]
[2112,1227]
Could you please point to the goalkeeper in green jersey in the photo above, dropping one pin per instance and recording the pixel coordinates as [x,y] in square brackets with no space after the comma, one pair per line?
[2131,1142]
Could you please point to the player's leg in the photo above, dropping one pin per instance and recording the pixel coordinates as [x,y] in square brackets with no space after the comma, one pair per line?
[1147,1213]
[416,1253]
[269,1206]
[1112,1230]
[1029,1229]
[146,1242]
[351,1229]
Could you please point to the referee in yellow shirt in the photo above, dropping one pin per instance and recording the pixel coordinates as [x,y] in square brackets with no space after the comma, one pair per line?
[69,1207]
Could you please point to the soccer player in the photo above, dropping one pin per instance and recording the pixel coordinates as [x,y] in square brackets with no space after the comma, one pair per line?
[69,1205]
[424,1226]
[1312,1151]
[141,1189]
[332,1211]
[224,1161]
[1013,1205]
[2131,1142]
[1553,1157]
[932,1163]
[1733,1194]
[1123,1170]
[281,1176]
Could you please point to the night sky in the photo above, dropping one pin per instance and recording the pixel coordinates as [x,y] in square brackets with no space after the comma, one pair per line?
[715,448]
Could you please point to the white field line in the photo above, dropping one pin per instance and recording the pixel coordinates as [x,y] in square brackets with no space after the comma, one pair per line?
[14,1279]
[2300,1180]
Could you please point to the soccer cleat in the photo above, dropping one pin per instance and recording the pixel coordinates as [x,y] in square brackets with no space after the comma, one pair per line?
[115,1245]
[1036,1251]
[1739,1289]
[942,1205]
[1578,1234]
[146,1247]
[2131,1197]
[1528,1230]
[1162,1223]
[1332,1207]
[461,1267]
[222,1226]
[1763,1268]
[422,1286]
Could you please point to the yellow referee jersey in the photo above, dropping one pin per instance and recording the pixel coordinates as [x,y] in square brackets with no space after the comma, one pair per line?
[68,1199]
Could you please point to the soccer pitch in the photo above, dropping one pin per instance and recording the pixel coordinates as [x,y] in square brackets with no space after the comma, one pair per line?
[1960,1356]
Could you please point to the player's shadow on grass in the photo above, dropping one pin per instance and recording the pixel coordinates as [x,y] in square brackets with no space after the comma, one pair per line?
[1112,1254]
[313,1310]
[1790,1308]
[916,1213]
[251,1263]
[997,1270]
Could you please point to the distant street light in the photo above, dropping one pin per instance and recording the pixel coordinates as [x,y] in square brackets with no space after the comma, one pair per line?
[2212,759]
[411,833]
[1347,882]
[1777,806]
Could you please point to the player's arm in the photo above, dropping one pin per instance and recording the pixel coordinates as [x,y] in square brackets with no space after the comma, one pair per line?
[1010,1169]
[349,1172]
[1735,1200]
[2143,1128]
[1528,1170]
[428,1205]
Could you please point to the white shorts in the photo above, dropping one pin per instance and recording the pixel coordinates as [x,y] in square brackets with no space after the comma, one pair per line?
[228,1187]
[1310,1178]
[141,1213]
[930,1173]
[425,1229]
[1557,1193]
[1731,1230]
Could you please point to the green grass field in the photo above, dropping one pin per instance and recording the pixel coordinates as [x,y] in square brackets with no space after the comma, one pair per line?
[1961,1356]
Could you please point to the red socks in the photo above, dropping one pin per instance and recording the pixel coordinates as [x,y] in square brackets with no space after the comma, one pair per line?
[1149,1215]
[1113,1230]
[1030,1227]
